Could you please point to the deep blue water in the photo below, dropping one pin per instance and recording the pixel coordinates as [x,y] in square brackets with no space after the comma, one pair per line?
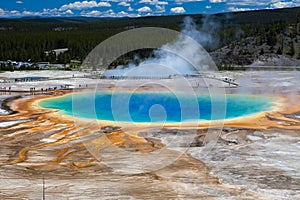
[157,107]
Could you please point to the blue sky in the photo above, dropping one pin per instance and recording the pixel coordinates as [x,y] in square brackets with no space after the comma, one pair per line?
[132,8]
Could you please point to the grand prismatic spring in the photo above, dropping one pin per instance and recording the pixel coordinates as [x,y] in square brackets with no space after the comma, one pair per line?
[142,106]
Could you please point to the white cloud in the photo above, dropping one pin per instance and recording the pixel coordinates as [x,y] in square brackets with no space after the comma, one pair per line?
[84,5]
[51,12]
[281,4]
[179,2]
[104,4]
[148,14]
[14,13]
[130,9]
[235,9]
[217,1]
[249,2]
[79,5]
[19,2]
[122,14]
[10,13]
[235,4]
[69,12]
[144,9]
[29,13]
[93,13]
[2,12]
[160,9]
[118,1]
[44,12]
[108,13]
[178,10]
[154,2]
[123,3]
[208,7]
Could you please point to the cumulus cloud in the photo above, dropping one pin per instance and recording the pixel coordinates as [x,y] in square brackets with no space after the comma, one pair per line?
[179,2]
[217,1]
[2,12]
[44,12]
[160,9]
[122,14]
[144,9]
[281,4]
[69,12]
[118,1]
[51,12]
[84,5]
[9,13]
[14,11]
[177,10]
[19,2]
[93,13]
[235,5]
[123,3]
[29,13]
[154,2]
[104,4]
[249,2]
[108,13]
[235,9]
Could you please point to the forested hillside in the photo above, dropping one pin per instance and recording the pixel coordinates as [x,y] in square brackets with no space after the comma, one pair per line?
[241,37]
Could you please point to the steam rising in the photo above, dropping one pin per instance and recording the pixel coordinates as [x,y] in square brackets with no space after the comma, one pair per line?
[185,56]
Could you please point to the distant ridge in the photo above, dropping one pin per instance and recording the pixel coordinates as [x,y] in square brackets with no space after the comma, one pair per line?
[260,37]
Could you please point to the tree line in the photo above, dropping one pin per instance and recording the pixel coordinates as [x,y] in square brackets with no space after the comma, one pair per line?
[29,40]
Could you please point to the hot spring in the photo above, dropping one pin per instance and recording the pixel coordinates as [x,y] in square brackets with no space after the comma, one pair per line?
[143,107]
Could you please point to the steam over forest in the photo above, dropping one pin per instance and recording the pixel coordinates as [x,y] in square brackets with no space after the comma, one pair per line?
[256,33]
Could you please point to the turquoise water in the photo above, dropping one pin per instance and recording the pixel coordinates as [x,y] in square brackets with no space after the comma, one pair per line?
[157,107]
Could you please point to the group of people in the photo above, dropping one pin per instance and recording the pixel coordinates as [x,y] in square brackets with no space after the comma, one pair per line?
[34,89]
[6,88]
[86,85]
[61,87]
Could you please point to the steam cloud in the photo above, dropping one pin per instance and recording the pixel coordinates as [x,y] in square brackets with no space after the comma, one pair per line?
[185,56]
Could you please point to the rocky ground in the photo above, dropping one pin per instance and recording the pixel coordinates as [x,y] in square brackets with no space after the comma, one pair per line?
[88,161]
